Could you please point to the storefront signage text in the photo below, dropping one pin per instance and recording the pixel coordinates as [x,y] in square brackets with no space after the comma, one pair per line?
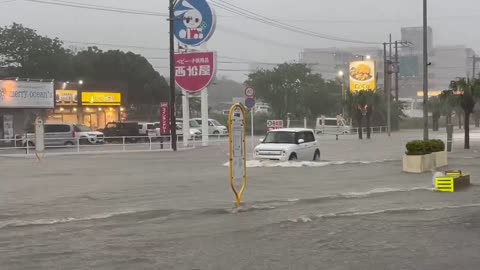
[101,99]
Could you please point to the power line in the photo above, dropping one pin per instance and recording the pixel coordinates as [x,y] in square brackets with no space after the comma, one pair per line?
[271,22]
[97,7]
[114,45]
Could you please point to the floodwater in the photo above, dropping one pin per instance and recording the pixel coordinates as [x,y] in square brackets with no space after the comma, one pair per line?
[352,210]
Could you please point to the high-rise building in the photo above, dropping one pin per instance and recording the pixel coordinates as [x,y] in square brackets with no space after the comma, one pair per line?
[415,36]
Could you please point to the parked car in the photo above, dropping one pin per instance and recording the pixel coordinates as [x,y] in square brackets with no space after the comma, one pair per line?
[214,127]
[55,135]
[332,126]
[144,129]
[194,130]
[116,130]
[288,144]
[86,135]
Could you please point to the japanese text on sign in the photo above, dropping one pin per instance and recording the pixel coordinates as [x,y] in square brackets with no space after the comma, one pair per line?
[194,71]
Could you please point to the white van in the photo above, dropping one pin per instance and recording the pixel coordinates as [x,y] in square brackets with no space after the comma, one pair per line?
[332,126]
[214,127]
[55,135]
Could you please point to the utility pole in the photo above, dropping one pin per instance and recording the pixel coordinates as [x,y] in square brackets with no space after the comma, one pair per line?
[173,124]
[387,86]
[397,70]
[425,71]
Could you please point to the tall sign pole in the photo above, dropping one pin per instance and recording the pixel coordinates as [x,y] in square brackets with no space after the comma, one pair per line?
[425,71]
[173,130]
[237,151]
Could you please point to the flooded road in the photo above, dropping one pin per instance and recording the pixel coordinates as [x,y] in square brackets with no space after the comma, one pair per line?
[352,210]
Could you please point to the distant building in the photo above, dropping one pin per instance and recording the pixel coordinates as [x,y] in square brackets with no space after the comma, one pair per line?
[415,36]
[329,61]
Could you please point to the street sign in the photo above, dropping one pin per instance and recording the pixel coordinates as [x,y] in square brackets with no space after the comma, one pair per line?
[164,119]
[249,102]
[194,22]
[194,71]
[249,92]
[274,124]
[237,151]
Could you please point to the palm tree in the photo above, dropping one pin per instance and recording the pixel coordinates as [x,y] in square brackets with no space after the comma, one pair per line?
[435,107]
[466,91]
[362,104]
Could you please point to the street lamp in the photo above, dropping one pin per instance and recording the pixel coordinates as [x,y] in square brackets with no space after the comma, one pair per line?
[368,57]
[80,82]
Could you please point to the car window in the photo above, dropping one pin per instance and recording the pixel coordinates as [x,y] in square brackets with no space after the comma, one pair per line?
[81,128]
[301,136]
[309,137]
[280,137]
[57,128]
[150,126]
[330,122]
[49,128]
[194,124]
[215,122]
[199,121]
[210,124]
[140,126]
[110,125]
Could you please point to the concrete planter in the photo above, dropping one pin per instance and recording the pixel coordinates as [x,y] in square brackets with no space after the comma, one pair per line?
[418,164]
[441,159]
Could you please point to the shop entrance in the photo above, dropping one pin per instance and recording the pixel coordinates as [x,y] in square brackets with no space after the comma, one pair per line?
[91,120]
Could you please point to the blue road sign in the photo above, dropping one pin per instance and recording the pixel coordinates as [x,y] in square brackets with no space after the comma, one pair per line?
[249,103]
[194,22]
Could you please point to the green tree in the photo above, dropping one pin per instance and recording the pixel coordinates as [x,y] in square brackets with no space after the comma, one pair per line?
[466,91]
[31,55]
[293,89]
[435,107]
[146,88]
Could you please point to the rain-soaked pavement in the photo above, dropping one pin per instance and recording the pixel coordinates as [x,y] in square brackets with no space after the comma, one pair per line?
[353,210]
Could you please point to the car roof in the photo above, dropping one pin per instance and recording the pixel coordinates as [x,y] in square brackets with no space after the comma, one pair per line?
[292,130]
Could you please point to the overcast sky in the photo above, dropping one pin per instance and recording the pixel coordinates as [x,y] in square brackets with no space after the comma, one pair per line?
[453,22]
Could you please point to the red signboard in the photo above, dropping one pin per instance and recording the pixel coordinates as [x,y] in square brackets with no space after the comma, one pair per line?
[194,71]
[164,118]
[274,124]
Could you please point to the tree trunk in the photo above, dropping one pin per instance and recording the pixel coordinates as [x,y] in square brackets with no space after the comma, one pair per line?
[466,125]
[459,120]
[477,119]
[360,127]
[369,131]
[436,125]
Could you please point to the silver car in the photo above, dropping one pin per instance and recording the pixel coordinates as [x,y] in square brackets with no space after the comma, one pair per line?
[55,135]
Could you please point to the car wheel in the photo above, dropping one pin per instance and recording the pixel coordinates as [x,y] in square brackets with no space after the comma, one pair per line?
[316,156]
[69,143]
[293,157]
[216,132]
[345,132]
[83,141]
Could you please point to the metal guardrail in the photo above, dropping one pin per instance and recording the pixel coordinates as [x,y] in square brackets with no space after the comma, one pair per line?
[352,131]
[71,145]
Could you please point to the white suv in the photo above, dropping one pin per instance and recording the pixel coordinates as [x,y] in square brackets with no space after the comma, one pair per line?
[288,144]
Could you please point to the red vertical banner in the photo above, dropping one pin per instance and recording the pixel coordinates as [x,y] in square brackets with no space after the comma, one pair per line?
[164,119]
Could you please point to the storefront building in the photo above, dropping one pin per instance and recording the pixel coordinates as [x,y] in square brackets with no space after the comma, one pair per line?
[20,103]
[91,108]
